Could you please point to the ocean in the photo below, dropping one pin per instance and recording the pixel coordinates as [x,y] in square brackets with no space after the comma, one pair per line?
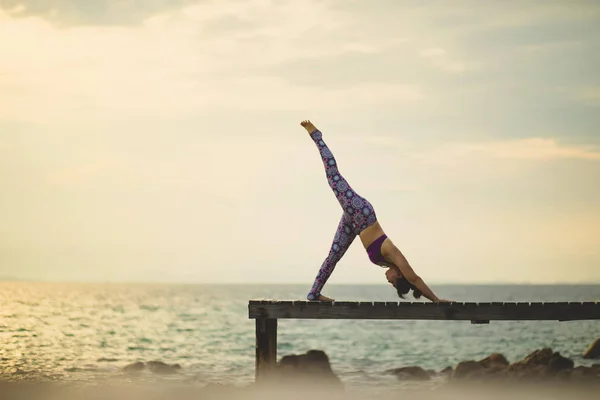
[89,332]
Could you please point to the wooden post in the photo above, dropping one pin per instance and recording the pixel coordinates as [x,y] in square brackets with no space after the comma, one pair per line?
[266,347]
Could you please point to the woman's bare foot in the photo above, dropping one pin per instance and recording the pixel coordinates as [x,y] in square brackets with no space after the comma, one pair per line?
[310,128]
[325,298]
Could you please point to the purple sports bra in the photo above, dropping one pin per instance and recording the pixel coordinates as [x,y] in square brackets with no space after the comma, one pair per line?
[374,250]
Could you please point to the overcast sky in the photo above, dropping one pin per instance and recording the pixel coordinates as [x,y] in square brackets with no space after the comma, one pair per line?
[160,140]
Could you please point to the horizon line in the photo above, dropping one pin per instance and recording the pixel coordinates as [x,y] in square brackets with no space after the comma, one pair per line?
[187,283]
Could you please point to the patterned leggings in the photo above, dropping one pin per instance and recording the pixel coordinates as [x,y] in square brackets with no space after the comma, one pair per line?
[358,215]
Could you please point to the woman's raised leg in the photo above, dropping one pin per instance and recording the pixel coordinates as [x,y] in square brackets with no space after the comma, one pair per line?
[340,186]
[361,211]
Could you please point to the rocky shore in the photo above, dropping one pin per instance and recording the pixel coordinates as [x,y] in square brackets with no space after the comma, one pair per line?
[315,368]
[313,372]
[541,365]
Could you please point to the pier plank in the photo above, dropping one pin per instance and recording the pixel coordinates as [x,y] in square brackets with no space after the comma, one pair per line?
[564,311]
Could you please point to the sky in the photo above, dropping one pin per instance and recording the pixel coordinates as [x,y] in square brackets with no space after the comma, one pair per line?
[159,141]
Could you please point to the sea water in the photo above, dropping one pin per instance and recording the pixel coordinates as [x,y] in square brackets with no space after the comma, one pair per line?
[88,332]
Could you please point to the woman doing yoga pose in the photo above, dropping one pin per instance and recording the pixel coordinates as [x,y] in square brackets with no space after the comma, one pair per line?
[359,219]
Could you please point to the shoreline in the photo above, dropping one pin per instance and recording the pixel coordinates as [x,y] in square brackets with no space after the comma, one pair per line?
[538,366]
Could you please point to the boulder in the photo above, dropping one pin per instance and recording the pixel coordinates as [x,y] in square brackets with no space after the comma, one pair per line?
[495,361]
[135,367]
[159,367]
[541,364]
[531,372]
[412,373]
[538,357]
[313,367]
[593,351]
[466,369]
[560,363]
[493,365]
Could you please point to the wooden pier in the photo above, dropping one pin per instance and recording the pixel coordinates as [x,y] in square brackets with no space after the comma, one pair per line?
[267,312]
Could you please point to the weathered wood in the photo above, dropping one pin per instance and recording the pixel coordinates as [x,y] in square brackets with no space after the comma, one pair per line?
[266,347]
[475,312]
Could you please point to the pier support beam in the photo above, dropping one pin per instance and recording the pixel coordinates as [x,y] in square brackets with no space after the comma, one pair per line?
[266,313]
[266,347]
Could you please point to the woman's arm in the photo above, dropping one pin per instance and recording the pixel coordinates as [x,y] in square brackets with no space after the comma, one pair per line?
[398,259]
[422,286]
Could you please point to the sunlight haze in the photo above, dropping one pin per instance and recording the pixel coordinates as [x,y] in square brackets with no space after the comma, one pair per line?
[162,143]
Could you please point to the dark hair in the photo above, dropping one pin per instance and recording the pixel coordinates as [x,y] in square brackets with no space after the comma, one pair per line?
[403,287]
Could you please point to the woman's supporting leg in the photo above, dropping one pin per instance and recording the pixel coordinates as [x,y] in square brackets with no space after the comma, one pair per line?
[344,236]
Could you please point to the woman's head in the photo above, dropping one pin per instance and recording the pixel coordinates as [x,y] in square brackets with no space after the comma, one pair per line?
[403,287]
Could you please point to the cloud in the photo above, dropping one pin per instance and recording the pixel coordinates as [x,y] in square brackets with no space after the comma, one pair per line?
[84,172]
[534,149]
[212,56]
[590,95]
[433,52]
[440,59]
[179,63]
[537,148]
[551,12]
[65,13]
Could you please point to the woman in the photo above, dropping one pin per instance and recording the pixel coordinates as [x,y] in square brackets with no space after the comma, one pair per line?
[359,219]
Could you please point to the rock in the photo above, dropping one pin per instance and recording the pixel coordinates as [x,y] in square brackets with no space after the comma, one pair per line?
[493,365]
[593,351]
[559,363]
[531,372]
[541,364]
[289,361]
[135,367]
[538,357]
[159,367]
[411,373]
[467,369]
[495,361]
[447,371]
[313,366]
